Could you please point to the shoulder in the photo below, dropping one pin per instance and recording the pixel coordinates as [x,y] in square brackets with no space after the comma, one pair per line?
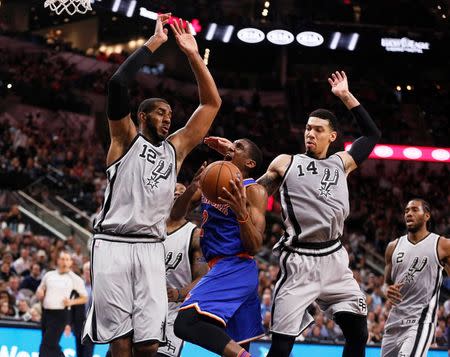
[75,276]
[390,248]
[256,193]
[444,241]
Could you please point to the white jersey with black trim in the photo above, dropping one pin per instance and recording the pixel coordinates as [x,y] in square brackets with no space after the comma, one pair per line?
[178,264]
[139,193]
[417,266]
[314,200]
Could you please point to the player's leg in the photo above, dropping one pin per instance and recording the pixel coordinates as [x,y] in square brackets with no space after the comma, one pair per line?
[111,288]
[392,341]
[245,325]
[354,328]
[417,340]
[343,299]
[150,298]
[121,347]
[213,302]
[297,287]
[281,345]
[205,332]
[145,349]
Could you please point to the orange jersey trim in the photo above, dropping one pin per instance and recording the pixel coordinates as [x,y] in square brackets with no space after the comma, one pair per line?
[215,260]
[195,305]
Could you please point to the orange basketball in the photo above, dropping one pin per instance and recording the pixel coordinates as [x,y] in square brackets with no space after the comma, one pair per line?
[218,175]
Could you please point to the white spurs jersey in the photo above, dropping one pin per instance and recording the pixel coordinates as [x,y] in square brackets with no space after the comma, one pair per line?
[139,194]
[178,264]
[417,266]
[314,200]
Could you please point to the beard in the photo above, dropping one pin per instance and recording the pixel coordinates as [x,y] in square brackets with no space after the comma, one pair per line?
[413,229]
[151,129]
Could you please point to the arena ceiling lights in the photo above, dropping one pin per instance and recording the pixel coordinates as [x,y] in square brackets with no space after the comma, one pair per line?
[281,37]
[408,153]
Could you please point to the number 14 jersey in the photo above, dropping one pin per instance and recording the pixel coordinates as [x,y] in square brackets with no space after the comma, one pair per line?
[314,200]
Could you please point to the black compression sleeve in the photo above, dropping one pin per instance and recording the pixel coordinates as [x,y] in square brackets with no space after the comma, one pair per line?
[118,98]
[364,145]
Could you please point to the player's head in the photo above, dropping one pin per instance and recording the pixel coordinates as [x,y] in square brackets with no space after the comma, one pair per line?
[417,215]
[320,132]
[154,117]
[179,190]
[64,261]
[246,155]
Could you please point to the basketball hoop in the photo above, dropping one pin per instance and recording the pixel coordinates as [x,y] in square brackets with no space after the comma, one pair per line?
[70,6]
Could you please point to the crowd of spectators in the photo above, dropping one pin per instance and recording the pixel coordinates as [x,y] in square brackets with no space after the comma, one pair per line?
[68,157]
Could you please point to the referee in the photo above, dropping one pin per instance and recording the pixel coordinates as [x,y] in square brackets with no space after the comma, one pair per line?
[54,291]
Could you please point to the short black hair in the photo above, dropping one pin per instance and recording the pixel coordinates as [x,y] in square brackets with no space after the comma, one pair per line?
[326,115]
[426,206]
[254,153]
[147,105]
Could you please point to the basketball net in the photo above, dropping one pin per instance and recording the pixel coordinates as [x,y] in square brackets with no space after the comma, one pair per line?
[69,6]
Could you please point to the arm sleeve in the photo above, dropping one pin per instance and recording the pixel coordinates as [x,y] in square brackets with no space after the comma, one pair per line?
[364,145]
[118,98]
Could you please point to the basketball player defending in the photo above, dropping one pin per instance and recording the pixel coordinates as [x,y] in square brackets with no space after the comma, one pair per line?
[185,266]
[414,268]
[315,203]
[224,306]
[129,306]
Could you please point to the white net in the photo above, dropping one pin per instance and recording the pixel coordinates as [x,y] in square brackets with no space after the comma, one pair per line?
[69,6]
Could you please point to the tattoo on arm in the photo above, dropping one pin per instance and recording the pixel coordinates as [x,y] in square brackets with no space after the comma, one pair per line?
[270,182]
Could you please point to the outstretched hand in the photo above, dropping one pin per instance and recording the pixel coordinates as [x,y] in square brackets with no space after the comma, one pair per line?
[183,36]
[221,145]
[339,83]
[161,32]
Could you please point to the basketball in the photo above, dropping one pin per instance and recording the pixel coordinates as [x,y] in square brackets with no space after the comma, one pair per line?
[218,175]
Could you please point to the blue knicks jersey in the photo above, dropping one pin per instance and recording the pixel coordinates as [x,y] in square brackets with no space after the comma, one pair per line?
[220,229]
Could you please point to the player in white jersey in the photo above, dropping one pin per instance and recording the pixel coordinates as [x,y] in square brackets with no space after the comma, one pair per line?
[414,270]
[129,298]
[314,198]
[185,266]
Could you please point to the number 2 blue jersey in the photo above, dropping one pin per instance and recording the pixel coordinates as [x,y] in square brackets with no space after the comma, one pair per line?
[220,229]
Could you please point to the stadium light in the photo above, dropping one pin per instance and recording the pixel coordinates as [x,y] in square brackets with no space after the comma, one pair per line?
[408,153]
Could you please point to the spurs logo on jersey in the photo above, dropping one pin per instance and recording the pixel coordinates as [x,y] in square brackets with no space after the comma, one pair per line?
[159,173]
[171,265]
[327,182]
[415,267]
[314,198]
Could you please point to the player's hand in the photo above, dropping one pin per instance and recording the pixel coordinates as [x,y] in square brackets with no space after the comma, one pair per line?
[339,83]
[195,183]
[393,293]
[221,145]
[67,302]
[174,295]
[183,36]
[236,199]
[160,35]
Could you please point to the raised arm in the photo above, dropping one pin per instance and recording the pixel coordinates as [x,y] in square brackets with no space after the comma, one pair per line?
[249,205]
[121,127]
[273,177]
[363,146]
[186,138]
